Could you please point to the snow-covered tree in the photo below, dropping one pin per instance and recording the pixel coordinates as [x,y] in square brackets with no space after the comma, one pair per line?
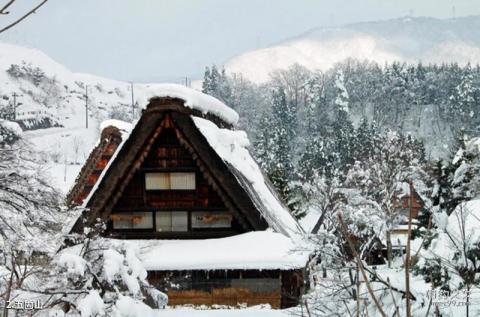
[264,143]
[30,207]
[381,178]
[463,100]
[341,93]
[451,260]
[283,133]
[31,215]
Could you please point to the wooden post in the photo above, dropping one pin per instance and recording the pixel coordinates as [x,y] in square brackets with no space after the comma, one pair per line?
[407,255]
[9,287]
[358,290]
[15,95]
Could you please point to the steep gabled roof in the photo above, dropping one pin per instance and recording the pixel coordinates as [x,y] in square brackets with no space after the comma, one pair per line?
[113,131]
[231,147]
[218,148]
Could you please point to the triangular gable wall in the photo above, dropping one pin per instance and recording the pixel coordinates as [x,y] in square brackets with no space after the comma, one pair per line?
[170,151]
[138,146]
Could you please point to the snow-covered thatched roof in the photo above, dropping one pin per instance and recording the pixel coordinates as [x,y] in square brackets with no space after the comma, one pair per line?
[232,147]
[196,100]
[209,125]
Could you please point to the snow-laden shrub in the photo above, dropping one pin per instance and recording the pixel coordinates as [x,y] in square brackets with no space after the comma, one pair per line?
[28,72]
[452,260]
[100,277]
[10,132]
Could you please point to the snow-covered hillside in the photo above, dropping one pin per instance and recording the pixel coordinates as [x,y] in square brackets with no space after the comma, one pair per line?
[405,39]
[50,103]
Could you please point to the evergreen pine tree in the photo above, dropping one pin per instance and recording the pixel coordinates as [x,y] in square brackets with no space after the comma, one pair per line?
[342,127]
[462,101]
[283,130]
[206,87]
[363,140]
[264,144]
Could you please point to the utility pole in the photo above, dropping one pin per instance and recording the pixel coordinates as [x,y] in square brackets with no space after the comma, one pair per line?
[86,106]
[407,252]
[186,81]
[15,95]
[133,101]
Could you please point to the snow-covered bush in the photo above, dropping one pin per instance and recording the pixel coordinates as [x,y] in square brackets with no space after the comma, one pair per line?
[465,179]
[10,132]
[121,112]
[452,260]
[99,277]
[28,72]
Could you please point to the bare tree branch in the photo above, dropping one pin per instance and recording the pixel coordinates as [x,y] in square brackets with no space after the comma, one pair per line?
[360,265]
[23,17]
[5,7]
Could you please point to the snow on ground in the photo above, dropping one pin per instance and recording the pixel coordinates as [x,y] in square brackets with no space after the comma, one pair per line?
[66,150]
[247,312]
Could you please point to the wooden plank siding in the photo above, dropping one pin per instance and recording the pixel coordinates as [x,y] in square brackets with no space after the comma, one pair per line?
[224,296]
[279,288]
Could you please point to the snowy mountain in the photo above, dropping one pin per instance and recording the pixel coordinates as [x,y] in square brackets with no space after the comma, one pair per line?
[423,39]
[50,106]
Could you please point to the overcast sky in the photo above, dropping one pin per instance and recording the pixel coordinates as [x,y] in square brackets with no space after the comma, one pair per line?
[165,40]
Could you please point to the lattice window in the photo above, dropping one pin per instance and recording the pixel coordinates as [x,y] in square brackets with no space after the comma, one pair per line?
[168,181]
[172,221]
[132,220]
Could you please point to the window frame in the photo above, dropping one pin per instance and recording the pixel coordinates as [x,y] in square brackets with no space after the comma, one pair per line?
[170,173]
[171,213]
[132,213]
[190,229]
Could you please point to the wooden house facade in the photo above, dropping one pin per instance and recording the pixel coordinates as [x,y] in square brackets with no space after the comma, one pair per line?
[165,180]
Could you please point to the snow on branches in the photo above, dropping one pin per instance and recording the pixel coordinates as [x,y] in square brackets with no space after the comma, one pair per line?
[30,206]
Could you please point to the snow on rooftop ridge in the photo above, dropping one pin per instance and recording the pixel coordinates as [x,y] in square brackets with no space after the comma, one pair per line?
[119,124]
[231,146]
[193,99]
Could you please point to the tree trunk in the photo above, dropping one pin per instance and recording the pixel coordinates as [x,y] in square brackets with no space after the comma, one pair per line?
[467,306]
[9,291]
[407,255]
[389,248]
